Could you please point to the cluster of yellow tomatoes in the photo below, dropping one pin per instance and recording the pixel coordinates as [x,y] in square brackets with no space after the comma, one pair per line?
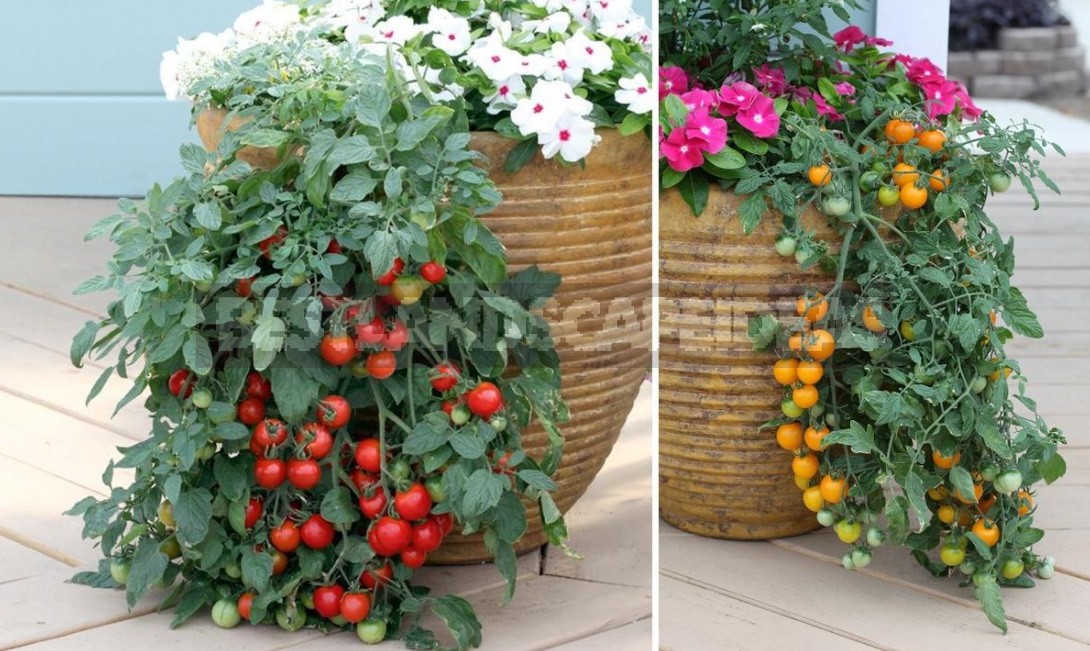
[904,184]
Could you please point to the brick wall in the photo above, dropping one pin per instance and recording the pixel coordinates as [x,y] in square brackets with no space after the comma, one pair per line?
[1030,62]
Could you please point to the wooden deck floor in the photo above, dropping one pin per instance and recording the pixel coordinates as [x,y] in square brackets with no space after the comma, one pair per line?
[53,449]
[793,593]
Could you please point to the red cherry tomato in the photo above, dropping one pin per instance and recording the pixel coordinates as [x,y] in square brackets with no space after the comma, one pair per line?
[433,272]
[427,535]
[413,557]
[446,377]
[337,350]
[245,605]
[397,337]
[381,365]
[393,535]
[280,562]
[390,276]
[448,407]
[270,473]
[317,532]
[372,332]
[334,411]
[484,399]
[377,576]
[369,455]
[355,606]
[317,439]
[251,411]
[372,506]
[327,600]
[253,512]
[285,537]
[271,242]
[445,521]
[334,246]
[266,434]
[180,381]
[413,504]
[304,474]
[244,287]
[361,480]
[257,387]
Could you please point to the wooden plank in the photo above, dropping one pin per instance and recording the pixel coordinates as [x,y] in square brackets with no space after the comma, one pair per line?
[611,524]
[880,610]
[696,618]
[41,322]
[19,562]
[47,606]
[629,637]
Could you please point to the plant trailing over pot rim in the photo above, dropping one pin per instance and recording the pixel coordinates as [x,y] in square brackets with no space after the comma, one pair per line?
[898,397]
[324,348]
[544,73]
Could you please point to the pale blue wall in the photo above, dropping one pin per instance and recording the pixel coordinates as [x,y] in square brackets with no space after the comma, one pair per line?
[80,102]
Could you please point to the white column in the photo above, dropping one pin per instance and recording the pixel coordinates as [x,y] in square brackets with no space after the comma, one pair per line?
[903,23]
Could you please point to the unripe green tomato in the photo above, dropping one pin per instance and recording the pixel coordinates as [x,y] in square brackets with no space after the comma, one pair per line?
[785,245]
[338,620]
[889,196]
[166,514]
[908,332]
[400,469]
[875,537]
[498,423]
[879,166]
[207,451]
[968,568]
[989,472]
[790,409]
[801,256]
[979,382]
[297,280]
[248,314]
[847,562]
[225,613]
[1013,568]
[826,518]
[435,488]
[307,600]
[835,206]
[291,621]
[832,420]
[817,410]
[848,531]
[861,557]
[870,181]
[202,398]
[119,570]
[233,570]
[1008,482]
[203,286]
[1046,569]
[999,182]
[460,415]
[359,368]
[952,555]
[171,548]
[371,631]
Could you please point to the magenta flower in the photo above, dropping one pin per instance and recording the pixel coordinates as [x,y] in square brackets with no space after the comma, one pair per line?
[760,118]
[699,98]
[941,97]
[969,109]
[739,96]
[847,38]
[922,72]
[681,153]
[710,131]
[845,89]
[772,80]
[672,81]
[823,107]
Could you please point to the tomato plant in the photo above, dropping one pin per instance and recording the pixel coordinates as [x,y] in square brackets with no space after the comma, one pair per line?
[302,473]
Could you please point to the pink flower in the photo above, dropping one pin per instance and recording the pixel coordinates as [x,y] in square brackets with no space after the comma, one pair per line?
[681,153]
[922,72]
[969,109]
[772,80]
[760,118]
[703,128]
[941,98]
[698,98]
[847,38]
[845,89]
[672,81]
[823,107]
[739,96]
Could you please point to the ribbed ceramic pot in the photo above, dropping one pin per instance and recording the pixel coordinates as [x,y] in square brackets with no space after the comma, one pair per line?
[592,225]
[718,474]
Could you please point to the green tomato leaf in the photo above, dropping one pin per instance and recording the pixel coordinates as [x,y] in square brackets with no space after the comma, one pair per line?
[482,491]
[458,615]
[193,513]
[762,331]
[991,598]
[337,506]
[429,434]
[1019,317]
[148,566]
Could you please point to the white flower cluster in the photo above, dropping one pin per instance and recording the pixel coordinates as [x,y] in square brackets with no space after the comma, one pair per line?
[536,87]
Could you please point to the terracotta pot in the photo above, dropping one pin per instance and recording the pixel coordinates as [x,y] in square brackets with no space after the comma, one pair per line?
[592,225]
[718,475]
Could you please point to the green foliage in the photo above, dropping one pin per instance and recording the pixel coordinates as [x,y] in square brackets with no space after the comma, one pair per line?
[367,174]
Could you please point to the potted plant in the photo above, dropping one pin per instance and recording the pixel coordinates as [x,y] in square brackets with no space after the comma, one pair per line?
[337,367]
[885,379]
[557,95]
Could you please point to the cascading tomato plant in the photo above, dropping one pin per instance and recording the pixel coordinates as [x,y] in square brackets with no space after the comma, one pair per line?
[905,419]
[310,485]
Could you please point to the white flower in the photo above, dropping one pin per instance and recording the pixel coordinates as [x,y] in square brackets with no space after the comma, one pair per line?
[440,92]
[396,29]
[451,33]
[593,55]
[506,95]
[609,11]
[271,20]
[571,136]
[556,23]
[579,9]
[632,28]
[356,16]
[168,76]
[547,102]
[635,93]
[496,61]
[192,60]
[499,28]
[562,65]
[533,65]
